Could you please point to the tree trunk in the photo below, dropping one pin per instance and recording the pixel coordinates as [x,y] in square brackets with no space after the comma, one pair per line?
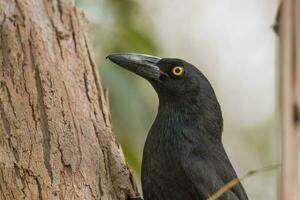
[288,27]
[55,133]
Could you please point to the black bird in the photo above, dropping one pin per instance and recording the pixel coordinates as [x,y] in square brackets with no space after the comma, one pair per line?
[183,158]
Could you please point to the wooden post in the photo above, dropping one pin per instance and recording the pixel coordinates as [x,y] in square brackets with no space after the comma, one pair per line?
[288,25]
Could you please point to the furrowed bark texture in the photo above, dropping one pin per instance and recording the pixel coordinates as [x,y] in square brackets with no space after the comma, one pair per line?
[55,134]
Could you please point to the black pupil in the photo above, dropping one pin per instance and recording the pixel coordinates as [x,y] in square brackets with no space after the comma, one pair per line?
[177,70]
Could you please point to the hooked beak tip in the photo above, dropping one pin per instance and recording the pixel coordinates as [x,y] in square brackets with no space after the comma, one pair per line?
[112,57]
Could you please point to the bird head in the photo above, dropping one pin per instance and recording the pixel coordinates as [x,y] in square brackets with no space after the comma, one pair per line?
[179,85]
[172,78]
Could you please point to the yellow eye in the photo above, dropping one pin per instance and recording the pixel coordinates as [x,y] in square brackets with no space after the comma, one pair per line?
[178,71]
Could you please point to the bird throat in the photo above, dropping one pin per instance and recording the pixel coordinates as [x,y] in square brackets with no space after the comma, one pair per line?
[192,112]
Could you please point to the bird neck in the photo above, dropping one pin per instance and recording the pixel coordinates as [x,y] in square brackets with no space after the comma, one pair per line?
[204,115]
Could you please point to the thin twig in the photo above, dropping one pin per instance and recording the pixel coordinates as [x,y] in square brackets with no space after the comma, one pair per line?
[236,181]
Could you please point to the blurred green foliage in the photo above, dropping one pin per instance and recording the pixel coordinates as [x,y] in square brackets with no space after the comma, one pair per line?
[123,26]
[119,26]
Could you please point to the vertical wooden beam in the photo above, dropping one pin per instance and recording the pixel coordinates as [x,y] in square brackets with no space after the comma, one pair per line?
[289,33]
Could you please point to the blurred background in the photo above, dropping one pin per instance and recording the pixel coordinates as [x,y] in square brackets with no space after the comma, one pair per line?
[230,41]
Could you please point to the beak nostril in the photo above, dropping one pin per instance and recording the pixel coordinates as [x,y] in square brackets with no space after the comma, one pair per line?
[163,77]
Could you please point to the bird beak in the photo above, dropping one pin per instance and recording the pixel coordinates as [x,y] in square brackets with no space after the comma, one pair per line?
[143,65]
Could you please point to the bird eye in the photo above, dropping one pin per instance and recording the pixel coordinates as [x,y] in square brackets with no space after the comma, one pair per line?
[178,71]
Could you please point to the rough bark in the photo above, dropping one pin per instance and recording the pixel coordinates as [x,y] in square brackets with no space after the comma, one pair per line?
[55,134]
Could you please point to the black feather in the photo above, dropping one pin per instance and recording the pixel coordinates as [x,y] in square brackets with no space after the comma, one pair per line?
[184,158]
